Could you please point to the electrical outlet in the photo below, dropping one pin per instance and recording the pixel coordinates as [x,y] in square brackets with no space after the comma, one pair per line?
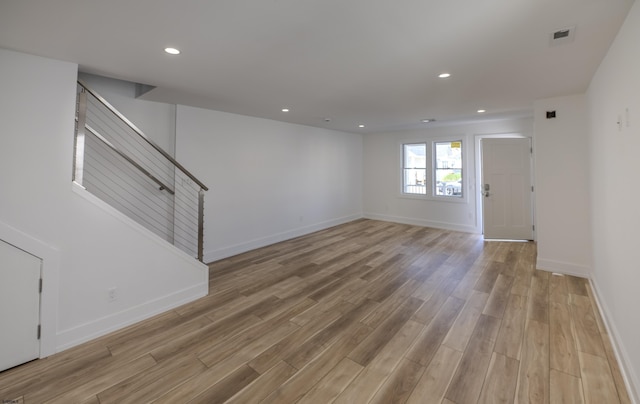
[112,294]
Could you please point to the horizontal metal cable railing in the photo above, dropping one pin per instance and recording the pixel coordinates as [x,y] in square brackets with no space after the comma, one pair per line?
[118,163]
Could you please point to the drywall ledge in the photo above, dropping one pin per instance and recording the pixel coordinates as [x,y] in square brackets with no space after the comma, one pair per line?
[82,192]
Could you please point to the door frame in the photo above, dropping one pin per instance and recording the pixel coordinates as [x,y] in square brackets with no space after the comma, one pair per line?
[478,180]
[50,276]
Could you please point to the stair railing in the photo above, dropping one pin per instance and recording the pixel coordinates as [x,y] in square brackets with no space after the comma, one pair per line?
[117,162]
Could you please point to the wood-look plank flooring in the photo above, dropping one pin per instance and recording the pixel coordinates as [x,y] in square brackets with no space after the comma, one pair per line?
[365,312]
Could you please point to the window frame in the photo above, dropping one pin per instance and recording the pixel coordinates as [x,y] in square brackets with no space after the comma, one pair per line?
[435,169]
[404,169]
[431,193]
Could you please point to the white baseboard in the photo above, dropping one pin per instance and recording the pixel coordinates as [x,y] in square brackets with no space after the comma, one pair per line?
[421,222]
[630,378]
[566,268]
[69,338]
[224,252]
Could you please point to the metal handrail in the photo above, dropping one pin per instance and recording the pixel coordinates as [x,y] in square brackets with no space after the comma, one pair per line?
[130,160]
[79,149]
[141,134]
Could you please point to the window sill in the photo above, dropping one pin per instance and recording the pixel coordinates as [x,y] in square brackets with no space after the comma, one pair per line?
[431,198]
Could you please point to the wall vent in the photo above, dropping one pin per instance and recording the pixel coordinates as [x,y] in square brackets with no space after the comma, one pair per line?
[562,36]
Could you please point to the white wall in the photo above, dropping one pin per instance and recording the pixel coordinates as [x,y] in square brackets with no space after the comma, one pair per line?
[156,120]
[87,247]
[615,164]
[562,189]
[268,181]
[382,176]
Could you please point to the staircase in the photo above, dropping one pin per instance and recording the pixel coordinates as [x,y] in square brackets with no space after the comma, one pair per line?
[119,164]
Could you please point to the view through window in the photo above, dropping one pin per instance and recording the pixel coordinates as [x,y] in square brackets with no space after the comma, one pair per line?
[448,168]
[414,168]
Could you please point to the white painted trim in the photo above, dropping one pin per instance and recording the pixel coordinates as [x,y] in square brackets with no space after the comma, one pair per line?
[50,257]
[631,380]
[422,222]
[229,251]
[567,268]
[102,326]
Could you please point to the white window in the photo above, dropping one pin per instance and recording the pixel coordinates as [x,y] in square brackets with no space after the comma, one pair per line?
[414,168]
[447,168]
[443,160]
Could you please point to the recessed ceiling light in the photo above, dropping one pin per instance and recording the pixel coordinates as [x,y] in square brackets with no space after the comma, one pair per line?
[361,126]
[172,51]
[285,109]
[427,120]
[444,75]
[482,111]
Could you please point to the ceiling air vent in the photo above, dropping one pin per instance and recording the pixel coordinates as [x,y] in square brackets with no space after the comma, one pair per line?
[562,36]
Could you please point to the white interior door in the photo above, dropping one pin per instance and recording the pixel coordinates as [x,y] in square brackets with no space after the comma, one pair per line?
[507,189]
[19,306]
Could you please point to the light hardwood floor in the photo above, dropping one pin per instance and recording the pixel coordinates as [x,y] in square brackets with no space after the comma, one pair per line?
[366,312]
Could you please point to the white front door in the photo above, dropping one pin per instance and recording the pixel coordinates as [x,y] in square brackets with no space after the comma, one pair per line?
[19,306]
[506,188]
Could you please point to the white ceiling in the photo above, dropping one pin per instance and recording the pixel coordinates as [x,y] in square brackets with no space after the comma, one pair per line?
[373,62]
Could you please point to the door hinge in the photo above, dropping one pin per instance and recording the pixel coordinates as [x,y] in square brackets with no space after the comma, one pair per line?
[40,286]
[531,150]
[39,330]
[533,227]
[532,188]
